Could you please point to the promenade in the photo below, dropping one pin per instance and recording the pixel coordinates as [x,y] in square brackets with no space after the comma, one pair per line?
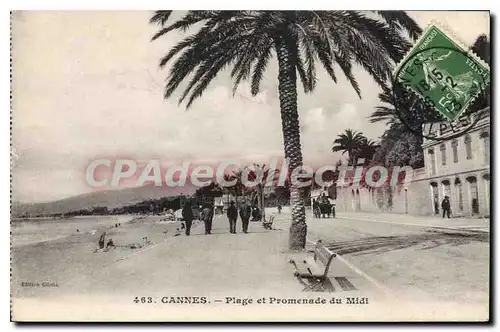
[414,257]
[229,273]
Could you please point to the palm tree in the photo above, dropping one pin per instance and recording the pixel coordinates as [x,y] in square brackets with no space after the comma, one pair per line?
[268,176]
[349,142]
[367,149]
[401,106]
[388,111]
[246,40]
[483,49]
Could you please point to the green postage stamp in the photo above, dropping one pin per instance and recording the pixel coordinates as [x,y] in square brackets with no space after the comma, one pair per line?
[444,73]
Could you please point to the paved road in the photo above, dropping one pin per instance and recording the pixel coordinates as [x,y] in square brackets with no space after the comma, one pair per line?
[424,263]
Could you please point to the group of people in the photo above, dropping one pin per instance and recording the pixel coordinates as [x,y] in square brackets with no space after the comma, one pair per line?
[207,215]
[245,212]
[322,208]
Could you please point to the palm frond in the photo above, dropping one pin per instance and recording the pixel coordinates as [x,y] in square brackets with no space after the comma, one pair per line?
[325,58]
[245,40]
[160,17]
[260,67]
[401,20]
[309,62]
[186,22]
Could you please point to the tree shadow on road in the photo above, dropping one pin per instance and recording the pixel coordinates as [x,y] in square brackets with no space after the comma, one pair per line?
[427,240]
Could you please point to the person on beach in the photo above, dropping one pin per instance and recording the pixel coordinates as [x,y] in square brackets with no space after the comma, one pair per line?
[232,215]
[101,240]
[110,244]
[245,212]
[446,206]
[206,216]
[187,215]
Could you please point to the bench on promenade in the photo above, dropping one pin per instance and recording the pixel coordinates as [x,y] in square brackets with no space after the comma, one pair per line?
[268,224]
[314,274]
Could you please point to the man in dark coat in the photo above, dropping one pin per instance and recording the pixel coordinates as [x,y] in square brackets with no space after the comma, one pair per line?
[446,206]
[206,215]
[232,215]
[256,215]
[187,215]
[245,212]
[316,210]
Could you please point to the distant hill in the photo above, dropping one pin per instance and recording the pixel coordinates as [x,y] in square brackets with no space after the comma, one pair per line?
[109,198]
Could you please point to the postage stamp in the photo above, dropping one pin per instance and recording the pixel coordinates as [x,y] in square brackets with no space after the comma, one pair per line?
[149,185]
[445,74]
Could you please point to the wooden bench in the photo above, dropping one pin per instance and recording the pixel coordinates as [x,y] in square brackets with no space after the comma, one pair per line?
[268,224]
[314,275]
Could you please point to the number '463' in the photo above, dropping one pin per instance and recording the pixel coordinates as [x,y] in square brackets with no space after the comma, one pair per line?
[143,299]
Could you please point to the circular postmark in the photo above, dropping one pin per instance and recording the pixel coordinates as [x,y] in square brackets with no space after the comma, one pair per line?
[434,103]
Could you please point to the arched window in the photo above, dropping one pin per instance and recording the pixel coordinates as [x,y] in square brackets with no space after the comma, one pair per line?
[468,146]
[435,197]
[454,147]
[485,136]
[460,195]
[486,179]
[473,194]
[432,159]
[446,188]
[442,147]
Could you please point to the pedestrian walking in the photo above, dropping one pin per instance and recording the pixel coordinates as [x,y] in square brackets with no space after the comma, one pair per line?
[187,215]
[232,215]
[446,206]
[245,213]
[316,210]
[324,205]
[279,208]
[206,216]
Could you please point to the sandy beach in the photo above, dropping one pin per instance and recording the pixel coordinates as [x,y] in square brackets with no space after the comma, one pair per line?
[52,252]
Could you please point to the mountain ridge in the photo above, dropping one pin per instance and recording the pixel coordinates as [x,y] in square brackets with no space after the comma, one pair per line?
[108,198]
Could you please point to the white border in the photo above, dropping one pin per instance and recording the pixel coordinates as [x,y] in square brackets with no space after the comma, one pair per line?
[185,4]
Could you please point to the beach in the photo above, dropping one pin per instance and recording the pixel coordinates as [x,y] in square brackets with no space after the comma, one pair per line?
[50,256]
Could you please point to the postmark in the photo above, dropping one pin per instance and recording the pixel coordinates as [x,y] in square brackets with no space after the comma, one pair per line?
[443,73]
[442,78]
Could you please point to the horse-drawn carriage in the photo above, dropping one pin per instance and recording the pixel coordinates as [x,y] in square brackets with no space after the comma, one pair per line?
[323,207]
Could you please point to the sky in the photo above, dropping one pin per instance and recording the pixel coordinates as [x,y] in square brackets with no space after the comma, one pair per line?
[86,85]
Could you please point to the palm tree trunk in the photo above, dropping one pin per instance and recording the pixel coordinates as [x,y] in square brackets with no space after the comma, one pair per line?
[287,85]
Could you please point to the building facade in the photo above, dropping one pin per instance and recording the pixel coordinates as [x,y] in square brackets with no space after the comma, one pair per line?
[457,167]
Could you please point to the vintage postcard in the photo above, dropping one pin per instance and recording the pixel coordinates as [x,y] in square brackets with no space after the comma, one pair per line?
[250,166]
